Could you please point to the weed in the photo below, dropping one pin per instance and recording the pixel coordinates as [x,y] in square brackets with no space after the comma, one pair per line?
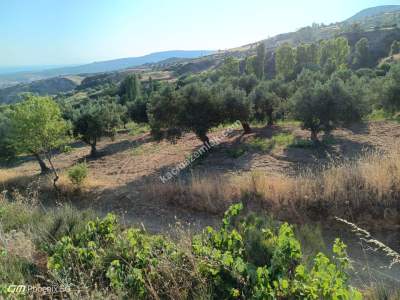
[78,174]
[137,129]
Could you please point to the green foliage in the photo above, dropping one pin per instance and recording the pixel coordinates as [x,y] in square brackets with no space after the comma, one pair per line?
[137,110]
[7,151]
[246,83]
[248,257]
[259,62]
[260,144]
[283,139]
[130,89]
[390,90]
[199,111]
[96,120]
[163,114]
[78,173]
[193,109]
[37,126]
[236,152]
[334,54]
[244,259]
[137,129]
[265,102]
[395,48]
[235,106]
[285,61]
[322,106]
[230,67]
[302,143]
[306,56]
[362,55]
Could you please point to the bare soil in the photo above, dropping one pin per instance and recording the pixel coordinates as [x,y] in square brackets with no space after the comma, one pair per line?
[130,165]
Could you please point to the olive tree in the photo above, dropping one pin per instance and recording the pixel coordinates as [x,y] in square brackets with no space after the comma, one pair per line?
[199,111]
[37,127]
[192,109]
[95,120]
[264,102]
[323,106]
[6,148]
[236,107]
[163,112]
[390,96]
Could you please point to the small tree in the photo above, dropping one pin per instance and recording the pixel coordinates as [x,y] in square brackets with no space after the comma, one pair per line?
[285,61]
[390,90]
[230,66]
[199,111]
[36,127]
[259,61]
[334,54]
[96,120]
[236,107]
[78,174]
[163,111]
[246,83]
[264,102]
[130,89]
[362,55]
[395,48]
[137,110]
[324,106]
[6,148]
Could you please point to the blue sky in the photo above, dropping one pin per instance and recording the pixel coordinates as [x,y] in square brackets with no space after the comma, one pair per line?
[61,32]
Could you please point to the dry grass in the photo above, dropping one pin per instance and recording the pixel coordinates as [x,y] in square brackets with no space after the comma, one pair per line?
[368,188]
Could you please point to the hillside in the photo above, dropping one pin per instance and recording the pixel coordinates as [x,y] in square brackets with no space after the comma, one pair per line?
[102,66]
[380,25]
[51,86]
[373,11]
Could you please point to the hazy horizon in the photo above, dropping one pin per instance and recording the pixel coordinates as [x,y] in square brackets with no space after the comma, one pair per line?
[41,33]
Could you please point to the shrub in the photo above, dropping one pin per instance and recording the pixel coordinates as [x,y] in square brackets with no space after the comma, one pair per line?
[261,144]
[283,139]
[78,173]
[246,258]
[325,106]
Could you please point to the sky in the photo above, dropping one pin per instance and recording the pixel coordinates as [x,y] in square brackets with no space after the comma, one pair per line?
[64,32]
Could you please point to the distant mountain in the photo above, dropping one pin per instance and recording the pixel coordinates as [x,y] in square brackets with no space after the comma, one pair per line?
[102,66]
[373,11]
[19,69]
[50,86]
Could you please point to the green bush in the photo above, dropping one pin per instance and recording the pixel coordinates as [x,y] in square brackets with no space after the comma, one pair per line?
[78,173]
[246,258]
[261,144]
[283,139]
[236,152]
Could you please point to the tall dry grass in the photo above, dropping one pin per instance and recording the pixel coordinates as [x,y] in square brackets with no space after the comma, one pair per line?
[368,188]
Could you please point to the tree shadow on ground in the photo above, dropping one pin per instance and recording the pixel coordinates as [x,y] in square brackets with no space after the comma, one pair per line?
[336,151]
[117,147]
[22,159]
[359,128]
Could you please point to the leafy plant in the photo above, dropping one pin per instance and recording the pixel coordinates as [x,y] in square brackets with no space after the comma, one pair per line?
[78,173]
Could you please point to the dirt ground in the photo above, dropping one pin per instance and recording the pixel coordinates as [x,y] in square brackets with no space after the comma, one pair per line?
[130,165]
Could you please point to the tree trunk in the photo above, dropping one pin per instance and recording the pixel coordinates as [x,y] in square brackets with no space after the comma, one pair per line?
[56,177]
[93,150]
[270,118]
[314,136]
[246,127]
[43,167]
[205,140]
